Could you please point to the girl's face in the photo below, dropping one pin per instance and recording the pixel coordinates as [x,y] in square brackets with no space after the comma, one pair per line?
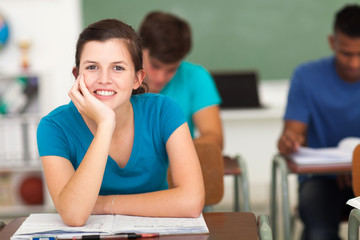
[109,71]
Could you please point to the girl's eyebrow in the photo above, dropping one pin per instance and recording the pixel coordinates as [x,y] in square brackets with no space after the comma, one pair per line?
[89,61]
[116,62]
[120,62]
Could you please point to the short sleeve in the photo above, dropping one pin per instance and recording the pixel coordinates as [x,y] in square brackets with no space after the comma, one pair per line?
[171,117]
[51,139]
[206,93]
[297,108]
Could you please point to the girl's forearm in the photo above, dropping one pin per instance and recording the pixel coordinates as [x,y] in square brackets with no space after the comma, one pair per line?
[78,197]
[175,202]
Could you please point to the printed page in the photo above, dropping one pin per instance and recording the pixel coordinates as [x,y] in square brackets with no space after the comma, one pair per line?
[52,224]
[348,144]
[354,202]
[340,154]
[163,226]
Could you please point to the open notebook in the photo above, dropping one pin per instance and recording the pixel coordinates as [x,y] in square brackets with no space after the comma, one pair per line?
[51,225]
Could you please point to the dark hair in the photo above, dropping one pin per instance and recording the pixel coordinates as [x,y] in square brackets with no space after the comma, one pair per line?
[113,29]
[347,20]
[167,37]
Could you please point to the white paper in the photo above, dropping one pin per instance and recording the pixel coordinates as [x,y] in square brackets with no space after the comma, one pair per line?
[354,202]
[163,226]
[51,224]
[340,154]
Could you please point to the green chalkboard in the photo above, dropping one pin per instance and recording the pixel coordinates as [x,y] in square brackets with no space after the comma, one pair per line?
[270,36]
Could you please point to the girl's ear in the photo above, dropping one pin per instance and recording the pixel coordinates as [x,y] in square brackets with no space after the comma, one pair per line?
[75,72]
[139,78]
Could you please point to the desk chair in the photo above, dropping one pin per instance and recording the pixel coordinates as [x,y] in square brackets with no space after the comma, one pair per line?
[286,167]
[212,168]
[354,217]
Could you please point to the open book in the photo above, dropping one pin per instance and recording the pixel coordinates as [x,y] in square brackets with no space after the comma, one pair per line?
[340,154]
[51,225]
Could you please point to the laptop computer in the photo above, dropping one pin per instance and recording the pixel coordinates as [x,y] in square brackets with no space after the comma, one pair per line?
[238,89]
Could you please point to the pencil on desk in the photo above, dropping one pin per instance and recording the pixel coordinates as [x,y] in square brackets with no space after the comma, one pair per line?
[112,237]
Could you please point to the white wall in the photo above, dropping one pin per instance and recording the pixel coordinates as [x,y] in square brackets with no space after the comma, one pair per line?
[52,26]
[253,134]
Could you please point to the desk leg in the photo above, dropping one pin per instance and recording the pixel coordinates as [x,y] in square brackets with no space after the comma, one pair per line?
[280,163]
[354,223]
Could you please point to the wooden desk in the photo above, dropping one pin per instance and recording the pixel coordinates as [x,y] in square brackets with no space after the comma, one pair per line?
[230,225]
[286,167]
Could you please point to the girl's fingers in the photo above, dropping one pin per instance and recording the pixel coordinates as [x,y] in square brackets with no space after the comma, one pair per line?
[75,93]
[82,86]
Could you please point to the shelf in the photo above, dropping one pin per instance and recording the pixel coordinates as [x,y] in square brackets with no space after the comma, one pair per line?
[22,184]
[20,169]
[24,210]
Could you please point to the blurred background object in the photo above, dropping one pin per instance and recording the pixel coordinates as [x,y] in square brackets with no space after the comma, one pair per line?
[4,31]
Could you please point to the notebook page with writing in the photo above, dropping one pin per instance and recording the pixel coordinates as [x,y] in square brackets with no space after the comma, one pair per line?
[163,226]
[52,224]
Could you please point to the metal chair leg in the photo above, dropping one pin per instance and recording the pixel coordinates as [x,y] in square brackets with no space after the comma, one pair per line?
[354,223]
[208,208]
[236,194]
[273,205]
[280,163]
[244,185]
[264,228]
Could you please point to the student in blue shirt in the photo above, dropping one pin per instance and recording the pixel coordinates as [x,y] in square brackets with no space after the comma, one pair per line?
[108,150]
[167,40]
[322,109]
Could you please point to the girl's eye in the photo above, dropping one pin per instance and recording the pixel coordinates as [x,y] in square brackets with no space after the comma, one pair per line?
[118,68]
[91,67]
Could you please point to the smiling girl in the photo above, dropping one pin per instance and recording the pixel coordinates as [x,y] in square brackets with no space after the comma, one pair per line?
[108,150]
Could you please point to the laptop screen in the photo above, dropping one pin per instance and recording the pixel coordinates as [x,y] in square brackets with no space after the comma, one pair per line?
[238,89]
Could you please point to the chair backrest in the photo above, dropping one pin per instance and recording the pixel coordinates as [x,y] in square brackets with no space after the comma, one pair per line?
[356,171]
[212,167]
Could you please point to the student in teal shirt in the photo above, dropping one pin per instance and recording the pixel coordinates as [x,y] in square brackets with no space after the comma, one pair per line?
[167,40]
[108,150]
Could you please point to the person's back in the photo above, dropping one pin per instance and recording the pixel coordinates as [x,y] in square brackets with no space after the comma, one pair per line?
[167,40]
[322,109]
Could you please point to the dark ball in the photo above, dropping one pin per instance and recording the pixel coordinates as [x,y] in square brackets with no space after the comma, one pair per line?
[31,190]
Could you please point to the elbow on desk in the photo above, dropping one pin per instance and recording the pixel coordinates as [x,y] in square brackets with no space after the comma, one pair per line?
[194,206]
[74,219]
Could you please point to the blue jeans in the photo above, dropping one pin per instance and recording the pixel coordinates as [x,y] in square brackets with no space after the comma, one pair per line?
[322,206]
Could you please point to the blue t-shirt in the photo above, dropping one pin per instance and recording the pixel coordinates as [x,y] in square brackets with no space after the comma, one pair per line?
[64,133]
[194,89]
[328,105]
